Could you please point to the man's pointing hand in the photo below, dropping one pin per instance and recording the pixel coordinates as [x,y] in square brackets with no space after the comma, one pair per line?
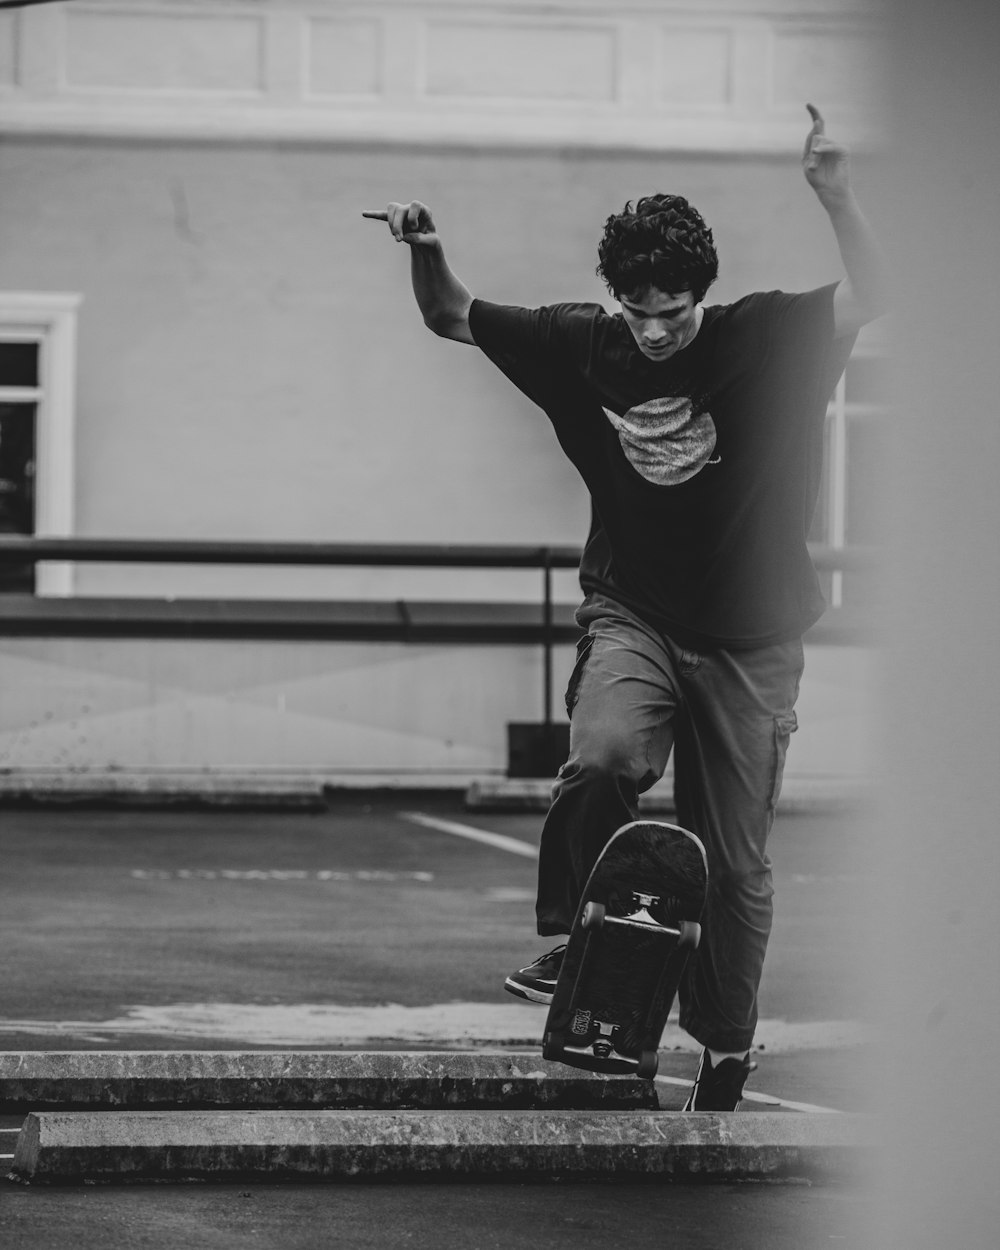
[409,223]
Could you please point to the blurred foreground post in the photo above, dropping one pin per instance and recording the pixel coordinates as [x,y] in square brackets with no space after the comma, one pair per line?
[939,1076]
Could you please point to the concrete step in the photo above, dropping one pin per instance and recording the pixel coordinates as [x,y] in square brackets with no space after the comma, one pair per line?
[284,1080]
[799,795]
[131,1146]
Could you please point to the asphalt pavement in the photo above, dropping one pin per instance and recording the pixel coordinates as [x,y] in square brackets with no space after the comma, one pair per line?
[389,922]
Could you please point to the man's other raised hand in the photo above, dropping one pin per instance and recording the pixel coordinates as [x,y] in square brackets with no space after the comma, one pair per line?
[825,163]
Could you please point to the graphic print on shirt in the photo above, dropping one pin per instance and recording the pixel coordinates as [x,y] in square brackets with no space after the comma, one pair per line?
[665,440]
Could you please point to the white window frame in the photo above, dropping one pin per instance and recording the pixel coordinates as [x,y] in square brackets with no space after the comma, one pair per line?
[49,319]
[836,520]
[839,413]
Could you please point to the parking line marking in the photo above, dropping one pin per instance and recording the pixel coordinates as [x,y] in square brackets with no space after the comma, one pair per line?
[787,1102]
[499,840]
[769,1099]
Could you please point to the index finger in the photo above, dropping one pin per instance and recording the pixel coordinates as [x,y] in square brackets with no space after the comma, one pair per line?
[375,214]
[818,128]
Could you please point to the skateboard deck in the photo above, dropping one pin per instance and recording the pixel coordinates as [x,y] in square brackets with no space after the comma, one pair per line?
[637,924]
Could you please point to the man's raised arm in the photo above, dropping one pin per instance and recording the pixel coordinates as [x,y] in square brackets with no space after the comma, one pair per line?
[442,299]
[863,296]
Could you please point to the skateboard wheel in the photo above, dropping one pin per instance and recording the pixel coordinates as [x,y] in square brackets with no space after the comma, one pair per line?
[552,1045]
[690,935]
[649,1061]
[593,916]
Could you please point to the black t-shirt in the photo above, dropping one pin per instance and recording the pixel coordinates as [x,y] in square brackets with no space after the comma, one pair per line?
[703,469]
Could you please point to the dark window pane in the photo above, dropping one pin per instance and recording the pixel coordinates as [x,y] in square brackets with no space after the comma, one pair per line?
[17,487]
[18,364]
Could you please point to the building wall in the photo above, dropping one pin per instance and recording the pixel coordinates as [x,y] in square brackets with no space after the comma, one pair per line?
[250,360]
[332,712]
[650,74]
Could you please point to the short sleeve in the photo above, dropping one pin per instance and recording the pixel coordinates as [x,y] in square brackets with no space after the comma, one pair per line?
[797,341]
[509,328]
[528,345]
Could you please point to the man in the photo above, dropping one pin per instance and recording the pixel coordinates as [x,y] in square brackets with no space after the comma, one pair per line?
[699,433]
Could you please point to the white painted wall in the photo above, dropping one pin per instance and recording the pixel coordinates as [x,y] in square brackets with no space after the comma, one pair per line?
[340,713]
[250,361]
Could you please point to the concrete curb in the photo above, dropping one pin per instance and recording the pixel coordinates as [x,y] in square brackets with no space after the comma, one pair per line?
[120,1147]
[303,793]
[201,792]
[49,1081]
[799,795]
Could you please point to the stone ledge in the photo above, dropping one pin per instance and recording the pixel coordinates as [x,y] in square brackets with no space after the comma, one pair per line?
[799,795]
[119,1080]
[121,1147]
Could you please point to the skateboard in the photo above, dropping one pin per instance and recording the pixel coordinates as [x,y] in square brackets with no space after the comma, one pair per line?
[637,924]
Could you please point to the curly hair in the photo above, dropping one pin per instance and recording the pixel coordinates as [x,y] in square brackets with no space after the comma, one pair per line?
[663,242]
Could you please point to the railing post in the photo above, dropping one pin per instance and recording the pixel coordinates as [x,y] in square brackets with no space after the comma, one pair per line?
[547,637]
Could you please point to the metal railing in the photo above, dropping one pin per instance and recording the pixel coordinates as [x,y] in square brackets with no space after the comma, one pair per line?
[22,550]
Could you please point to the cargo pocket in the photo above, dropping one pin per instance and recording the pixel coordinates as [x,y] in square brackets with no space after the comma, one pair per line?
[583,650]
[784,726]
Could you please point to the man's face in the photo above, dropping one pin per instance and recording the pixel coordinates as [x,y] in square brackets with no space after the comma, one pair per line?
[661,323]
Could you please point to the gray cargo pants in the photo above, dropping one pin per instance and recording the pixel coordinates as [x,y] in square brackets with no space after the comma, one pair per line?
[633,696]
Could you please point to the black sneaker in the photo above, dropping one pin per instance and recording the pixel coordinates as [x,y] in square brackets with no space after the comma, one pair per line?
[721,1088]
[537,982]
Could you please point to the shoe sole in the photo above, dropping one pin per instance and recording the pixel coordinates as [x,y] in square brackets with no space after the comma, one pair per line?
[542,997]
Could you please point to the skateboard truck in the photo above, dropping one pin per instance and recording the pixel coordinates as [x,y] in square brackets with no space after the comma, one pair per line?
[603,1044]
[643,903]
[687,932]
